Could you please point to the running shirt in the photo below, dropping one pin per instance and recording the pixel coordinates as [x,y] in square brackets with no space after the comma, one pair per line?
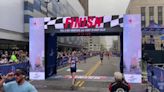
[73,61]
[101,55]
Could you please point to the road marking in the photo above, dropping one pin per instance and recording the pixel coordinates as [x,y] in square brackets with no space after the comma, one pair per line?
[77,83]
[90,72]
[78,70]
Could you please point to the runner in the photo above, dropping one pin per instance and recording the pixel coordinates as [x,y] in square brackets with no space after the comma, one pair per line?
[73,59]
[107,53]
[101,57]
[85,57]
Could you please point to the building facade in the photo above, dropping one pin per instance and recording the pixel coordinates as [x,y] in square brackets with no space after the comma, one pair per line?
[15,15]
[56,8]
[85,3]
[69,43]
[94,43]
[152,12]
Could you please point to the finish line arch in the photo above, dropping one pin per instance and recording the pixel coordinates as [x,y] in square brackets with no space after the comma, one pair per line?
[42,53]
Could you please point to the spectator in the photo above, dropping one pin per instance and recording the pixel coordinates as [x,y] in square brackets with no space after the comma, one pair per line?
[151,43]
[13,58]
[3,59]
[151,40]
[20,85]
[7,55]
[101,56]
[120,85]
[162,47]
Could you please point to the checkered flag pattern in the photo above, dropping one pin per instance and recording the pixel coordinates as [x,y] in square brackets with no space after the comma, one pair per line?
[53,23]
[107,22]
[113,21]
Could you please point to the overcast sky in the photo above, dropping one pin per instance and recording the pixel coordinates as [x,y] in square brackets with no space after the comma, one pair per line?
[108,7]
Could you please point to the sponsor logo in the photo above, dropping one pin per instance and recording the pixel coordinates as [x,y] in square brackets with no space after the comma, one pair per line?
[120,90]
[36,75]
[132,78]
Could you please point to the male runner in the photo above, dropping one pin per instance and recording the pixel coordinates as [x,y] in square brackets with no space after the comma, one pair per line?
[73,59]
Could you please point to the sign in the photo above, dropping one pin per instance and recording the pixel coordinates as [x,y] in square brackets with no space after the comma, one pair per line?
[83,30]
[37,69]
[132,48]
[83,22]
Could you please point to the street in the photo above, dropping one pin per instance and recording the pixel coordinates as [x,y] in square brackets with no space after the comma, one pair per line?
[92,76]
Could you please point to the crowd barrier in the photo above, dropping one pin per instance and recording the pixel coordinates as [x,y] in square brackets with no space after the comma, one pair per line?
[156,77]
[4,69]
[156,56]
[64,62]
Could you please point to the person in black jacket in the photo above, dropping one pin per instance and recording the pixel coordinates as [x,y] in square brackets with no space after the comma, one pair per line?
[120,85]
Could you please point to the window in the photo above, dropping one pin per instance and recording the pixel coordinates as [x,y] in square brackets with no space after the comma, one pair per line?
[143,11]
[28,6]
[27,18]
[151,14]
[160,9]
[143,16]
[37,5]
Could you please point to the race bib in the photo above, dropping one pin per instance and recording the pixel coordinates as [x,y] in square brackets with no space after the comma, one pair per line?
[73,64]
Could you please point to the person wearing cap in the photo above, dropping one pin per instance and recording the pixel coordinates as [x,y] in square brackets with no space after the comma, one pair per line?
[19,85]
[120,85]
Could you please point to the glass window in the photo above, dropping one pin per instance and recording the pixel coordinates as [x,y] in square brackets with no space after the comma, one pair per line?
[143,11]
[151,14]
[37,5]
[160,11]
[143,16]
[151,11]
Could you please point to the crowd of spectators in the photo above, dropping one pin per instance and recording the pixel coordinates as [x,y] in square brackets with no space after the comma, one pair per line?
[17,56]
[64,55]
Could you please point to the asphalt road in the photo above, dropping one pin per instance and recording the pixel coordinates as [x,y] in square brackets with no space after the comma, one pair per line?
[92,76]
